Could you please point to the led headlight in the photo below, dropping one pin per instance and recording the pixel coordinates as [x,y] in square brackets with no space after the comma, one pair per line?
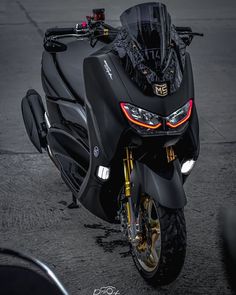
[187,167]
[180,116]
[140,116]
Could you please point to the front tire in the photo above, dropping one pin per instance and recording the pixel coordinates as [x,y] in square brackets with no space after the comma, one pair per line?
[160,264]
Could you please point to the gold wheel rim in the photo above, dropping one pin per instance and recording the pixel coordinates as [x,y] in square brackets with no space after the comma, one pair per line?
[148,250]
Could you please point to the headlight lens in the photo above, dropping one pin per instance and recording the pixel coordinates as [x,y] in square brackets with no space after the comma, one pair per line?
[180,116]
[150,120]
[140,116]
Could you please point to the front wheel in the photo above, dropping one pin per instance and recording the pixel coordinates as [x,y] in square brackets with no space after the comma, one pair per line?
[161,243]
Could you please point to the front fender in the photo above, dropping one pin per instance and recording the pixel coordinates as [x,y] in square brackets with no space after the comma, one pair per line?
[165,187]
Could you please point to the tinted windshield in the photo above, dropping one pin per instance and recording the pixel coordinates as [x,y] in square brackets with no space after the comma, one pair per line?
[149,26]
[151,50]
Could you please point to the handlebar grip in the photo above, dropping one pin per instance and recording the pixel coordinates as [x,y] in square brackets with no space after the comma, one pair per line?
[59,31]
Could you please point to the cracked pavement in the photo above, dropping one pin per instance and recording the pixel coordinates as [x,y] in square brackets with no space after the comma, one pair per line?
[85,252]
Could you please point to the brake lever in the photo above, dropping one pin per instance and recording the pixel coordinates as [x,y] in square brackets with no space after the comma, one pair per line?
[77,36]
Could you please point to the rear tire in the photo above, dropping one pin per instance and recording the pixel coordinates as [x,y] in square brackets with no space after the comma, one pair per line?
[172,250]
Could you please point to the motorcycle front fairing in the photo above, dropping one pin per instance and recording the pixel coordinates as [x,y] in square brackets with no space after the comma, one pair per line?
[107,85]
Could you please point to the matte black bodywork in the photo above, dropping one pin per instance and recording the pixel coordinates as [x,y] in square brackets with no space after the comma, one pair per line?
[33,115]
[88,128]
[166,188]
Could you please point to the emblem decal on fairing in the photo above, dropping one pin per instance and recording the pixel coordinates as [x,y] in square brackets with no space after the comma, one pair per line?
[108,69]
[160,89]
[96,151]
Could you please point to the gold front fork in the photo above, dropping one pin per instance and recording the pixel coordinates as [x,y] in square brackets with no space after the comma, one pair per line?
[170,154]
[128,167]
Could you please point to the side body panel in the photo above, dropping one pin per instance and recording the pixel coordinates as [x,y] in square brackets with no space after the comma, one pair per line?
[53,84]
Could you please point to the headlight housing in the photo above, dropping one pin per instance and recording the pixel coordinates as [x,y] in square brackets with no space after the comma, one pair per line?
[140,116]
[149,120]
[180,116]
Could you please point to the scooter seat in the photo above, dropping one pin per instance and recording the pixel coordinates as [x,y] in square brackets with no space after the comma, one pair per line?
[70,63]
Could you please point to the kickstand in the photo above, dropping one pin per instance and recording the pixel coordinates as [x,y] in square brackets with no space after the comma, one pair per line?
[74,204]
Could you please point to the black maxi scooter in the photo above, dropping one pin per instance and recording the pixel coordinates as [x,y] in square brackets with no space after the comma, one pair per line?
[124,143]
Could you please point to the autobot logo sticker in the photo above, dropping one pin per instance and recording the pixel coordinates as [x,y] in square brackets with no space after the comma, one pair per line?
[160,89]
[108,69]
[109,290]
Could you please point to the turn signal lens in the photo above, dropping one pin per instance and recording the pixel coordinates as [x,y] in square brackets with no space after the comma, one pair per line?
[180,116]
[103,172]
[140,116]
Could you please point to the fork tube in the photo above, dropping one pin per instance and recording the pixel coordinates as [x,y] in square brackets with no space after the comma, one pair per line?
[128,166]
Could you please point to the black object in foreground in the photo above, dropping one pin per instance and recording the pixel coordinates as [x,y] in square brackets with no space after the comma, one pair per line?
[228,234]
[22,280]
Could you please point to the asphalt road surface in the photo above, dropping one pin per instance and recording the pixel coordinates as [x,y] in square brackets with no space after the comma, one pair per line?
[85,252]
